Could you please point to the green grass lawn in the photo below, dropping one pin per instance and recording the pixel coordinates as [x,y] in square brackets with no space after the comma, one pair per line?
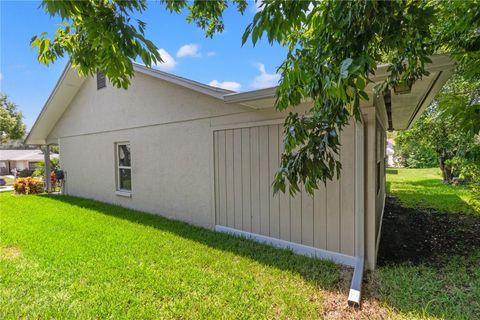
[448,291]
[65,257]
[423,188]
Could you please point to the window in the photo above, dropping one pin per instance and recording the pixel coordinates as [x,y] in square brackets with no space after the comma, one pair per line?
[32,166]
[101,81]
[124,167]
[380,157]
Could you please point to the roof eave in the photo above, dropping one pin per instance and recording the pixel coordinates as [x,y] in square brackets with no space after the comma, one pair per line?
[42,112]
[247,96]
[184,82]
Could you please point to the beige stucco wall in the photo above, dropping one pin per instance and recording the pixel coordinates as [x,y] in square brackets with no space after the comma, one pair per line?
[170,130]
[171,133]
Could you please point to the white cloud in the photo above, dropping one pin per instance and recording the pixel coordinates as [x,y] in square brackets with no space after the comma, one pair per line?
[311,6]
[229,85]
[168,61]
[265,79]
[211,53]
[189,50]
[1,76]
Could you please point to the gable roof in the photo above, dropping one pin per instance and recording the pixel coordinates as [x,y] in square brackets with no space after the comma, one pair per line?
[70,82]
[405,109]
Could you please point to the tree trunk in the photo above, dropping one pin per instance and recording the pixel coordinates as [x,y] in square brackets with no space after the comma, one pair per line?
[446,170]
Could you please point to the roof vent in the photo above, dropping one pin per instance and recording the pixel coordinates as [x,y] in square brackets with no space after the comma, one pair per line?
[101,81]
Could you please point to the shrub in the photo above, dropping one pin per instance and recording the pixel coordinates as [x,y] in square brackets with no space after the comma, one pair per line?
[28,185]
[40,167]
[53,178]
[25,173]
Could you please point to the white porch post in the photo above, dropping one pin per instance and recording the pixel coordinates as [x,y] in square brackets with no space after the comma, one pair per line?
[48,179]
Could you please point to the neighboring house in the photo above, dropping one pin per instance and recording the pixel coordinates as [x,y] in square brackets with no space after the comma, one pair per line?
[390,150]
[207,156]
[20,159]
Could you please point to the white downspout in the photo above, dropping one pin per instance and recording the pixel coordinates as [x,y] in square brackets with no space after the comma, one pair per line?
[355,294]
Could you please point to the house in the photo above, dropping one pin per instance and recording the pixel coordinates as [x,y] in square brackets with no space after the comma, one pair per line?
[20,159]
[207,156]
[391,161]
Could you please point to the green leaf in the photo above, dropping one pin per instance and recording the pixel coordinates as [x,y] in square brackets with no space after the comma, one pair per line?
[344,67]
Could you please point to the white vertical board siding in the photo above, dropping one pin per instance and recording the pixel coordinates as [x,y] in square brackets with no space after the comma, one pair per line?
[246,162]
[230,217]
[254,179]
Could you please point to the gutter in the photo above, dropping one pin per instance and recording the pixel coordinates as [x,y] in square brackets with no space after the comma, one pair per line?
[355,294]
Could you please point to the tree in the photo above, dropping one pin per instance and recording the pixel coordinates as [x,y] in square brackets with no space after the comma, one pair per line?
[11,120]
[455,146]
[333,48]
[412,152]
[460,100]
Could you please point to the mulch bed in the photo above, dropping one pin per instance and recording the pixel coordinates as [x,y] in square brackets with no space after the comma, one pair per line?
[425,235]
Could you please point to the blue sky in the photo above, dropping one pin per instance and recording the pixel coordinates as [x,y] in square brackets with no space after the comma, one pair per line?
[220,61]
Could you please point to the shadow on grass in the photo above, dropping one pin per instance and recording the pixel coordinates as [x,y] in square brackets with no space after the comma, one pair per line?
[324,274]
[425,235]
[406,287]
[429,262]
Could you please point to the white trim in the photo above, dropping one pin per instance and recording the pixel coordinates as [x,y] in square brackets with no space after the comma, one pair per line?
[123,193]
[429,95]
[184,82]
[359,189]
[439,62]
[212,176]
[355,294]
[295,247]
[50,98]
[380,226]
[247,96]
[249,124]
[118,191]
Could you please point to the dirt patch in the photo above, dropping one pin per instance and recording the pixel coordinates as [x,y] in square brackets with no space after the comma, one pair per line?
[408,235]
[10,253]
[335,302]
[425,235]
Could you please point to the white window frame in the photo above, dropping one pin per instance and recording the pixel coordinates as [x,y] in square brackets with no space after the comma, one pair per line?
[118,191]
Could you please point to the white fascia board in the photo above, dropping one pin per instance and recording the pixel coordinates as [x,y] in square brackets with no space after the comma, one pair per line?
[432,91]
[250,95]
[186,83]
[439,62]
[30,139]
